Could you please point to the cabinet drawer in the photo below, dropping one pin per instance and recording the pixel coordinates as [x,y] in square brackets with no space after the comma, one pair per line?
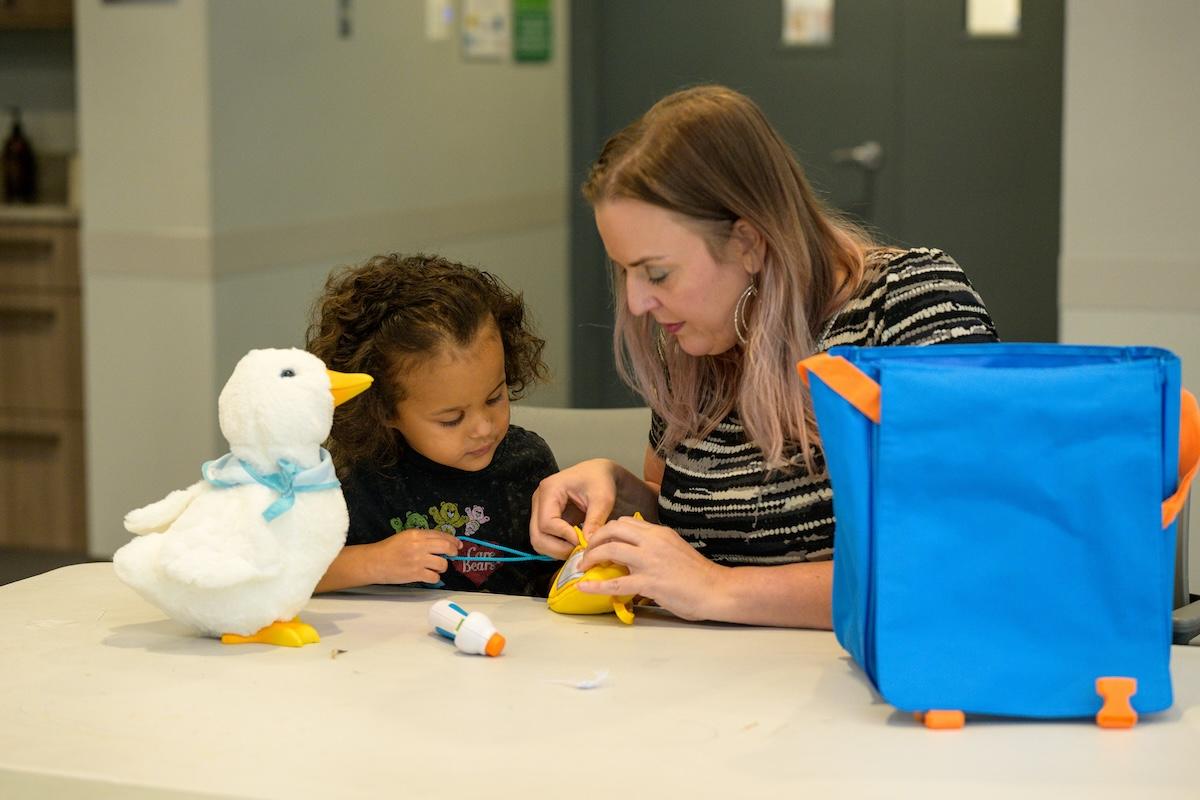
[34,14]
[42,488]
[39,256]
[40,359]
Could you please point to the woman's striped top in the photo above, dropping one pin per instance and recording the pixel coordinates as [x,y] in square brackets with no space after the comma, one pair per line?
[716,494]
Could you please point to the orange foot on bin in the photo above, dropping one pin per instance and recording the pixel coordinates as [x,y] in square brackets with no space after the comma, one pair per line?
[940,719]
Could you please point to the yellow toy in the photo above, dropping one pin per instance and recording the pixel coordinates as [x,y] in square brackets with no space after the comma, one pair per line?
[565,597]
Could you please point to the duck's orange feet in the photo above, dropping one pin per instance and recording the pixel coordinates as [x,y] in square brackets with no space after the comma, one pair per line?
[292,633]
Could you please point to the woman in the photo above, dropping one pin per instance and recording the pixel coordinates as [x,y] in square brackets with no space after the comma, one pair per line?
[728,270]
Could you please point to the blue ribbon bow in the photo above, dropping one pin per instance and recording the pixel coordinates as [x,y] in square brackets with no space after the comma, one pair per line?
[286,482]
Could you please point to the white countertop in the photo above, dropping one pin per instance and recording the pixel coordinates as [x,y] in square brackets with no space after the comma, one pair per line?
[102,696]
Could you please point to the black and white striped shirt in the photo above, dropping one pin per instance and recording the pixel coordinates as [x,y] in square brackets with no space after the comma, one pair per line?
[715,492]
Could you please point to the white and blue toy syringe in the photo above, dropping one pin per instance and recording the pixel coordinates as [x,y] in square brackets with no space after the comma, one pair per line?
[471,632]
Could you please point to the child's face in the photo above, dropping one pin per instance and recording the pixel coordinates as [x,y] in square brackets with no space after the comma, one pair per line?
[456,408]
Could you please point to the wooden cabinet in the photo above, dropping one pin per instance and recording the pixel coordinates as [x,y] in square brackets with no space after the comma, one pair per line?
[35,14]
[42,486]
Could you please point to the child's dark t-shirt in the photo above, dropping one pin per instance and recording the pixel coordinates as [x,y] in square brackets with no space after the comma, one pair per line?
[492,505]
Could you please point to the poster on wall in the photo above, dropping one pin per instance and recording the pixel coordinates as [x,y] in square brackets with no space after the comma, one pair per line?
[486,29]
[993,18]
[531,30]
[807,23]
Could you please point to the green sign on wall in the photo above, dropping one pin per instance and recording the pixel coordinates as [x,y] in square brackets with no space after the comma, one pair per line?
[531,30]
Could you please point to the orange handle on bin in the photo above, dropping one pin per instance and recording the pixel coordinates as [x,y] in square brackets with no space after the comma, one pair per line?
[860,391]
[846,379]
[1189,455]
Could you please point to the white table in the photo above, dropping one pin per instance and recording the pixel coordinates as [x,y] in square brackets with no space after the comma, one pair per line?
[102,696]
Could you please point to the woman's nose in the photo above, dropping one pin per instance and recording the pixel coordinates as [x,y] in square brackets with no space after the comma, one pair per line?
[638,298]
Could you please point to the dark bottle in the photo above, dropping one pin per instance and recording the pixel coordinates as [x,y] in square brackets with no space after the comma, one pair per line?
[20,168]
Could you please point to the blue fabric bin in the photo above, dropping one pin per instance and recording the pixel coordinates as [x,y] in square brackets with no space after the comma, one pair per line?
[1002,538]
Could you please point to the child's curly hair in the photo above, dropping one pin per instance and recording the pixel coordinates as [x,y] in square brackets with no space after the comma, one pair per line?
[384,316]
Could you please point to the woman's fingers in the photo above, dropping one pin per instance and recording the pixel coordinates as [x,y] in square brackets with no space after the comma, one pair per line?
[585,492]
[546,510]
[564,532]
[436,563]
[624,529]
[552,546]
[626,584]
[596,504]
[539,508]
[623,553]
[557,539]
[549,533]
[597,515]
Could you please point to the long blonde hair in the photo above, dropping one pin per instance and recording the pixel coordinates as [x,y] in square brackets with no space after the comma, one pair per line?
[709,154]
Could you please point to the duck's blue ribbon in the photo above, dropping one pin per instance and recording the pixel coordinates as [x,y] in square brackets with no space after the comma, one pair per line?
[227,472]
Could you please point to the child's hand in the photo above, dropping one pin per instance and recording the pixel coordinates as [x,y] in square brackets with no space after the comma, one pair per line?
[413,555]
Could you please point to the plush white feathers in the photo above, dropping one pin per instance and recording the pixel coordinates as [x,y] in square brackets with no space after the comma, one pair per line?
[245,547]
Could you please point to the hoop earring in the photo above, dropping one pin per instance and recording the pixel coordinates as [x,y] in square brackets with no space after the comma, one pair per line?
[739,314]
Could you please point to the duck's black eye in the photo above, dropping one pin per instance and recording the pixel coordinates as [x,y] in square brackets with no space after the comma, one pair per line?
[288,373]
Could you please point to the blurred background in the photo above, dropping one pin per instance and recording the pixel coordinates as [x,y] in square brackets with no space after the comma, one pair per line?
[181,175]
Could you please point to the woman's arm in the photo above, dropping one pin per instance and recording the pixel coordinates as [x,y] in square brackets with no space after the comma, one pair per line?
[636,495]
[668,570]
[789,596]
[653,469]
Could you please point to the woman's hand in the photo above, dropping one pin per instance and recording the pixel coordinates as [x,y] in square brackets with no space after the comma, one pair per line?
[411,556]
[583,493]
[662,567]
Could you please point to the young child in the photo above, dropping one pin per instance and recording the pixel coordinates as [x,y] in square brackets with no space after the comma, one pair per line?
[428,454]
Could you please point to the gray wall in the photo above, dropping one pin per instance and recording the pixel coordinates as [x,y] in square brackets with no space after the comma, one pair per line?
[1130,266]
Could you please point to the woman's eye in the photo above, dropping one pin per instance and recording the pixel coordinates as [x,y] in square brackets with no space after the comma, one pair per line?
[491,401]
[656,277]
[452,423]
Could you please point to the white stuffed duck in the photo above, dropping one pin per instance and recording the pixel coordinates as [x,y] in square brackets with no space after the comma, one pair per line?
[238,554]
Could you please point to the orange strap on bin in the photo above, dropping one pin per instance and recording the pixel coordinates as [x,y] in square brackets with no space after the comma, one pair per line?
[1189,455]
[860,391]
[846,379]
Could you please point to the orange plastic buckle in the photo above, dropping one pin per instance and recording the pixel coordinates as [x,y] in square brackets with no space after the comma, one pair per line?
[1116,711]
[941,719]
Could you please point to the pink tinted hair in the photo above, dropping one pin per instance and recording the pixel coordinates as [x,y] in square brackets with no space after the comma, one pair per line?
[709,154]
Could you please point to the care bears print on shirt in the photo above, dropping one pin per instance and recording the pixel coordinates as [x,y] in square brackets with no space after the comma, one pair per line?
[446,517]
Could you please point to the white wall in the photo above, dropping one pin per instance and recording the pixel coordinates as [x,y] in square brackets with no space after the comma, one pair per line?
[234,152]
[328,150]
[1130,265]
[146,245]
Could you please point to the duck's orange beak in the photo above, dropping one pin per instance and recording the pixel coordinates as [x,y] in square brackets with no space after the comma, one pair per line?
[344,385]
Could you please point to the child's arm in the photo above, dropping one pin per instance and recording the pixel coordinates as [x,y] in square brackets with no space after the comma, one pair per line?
[407,557]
